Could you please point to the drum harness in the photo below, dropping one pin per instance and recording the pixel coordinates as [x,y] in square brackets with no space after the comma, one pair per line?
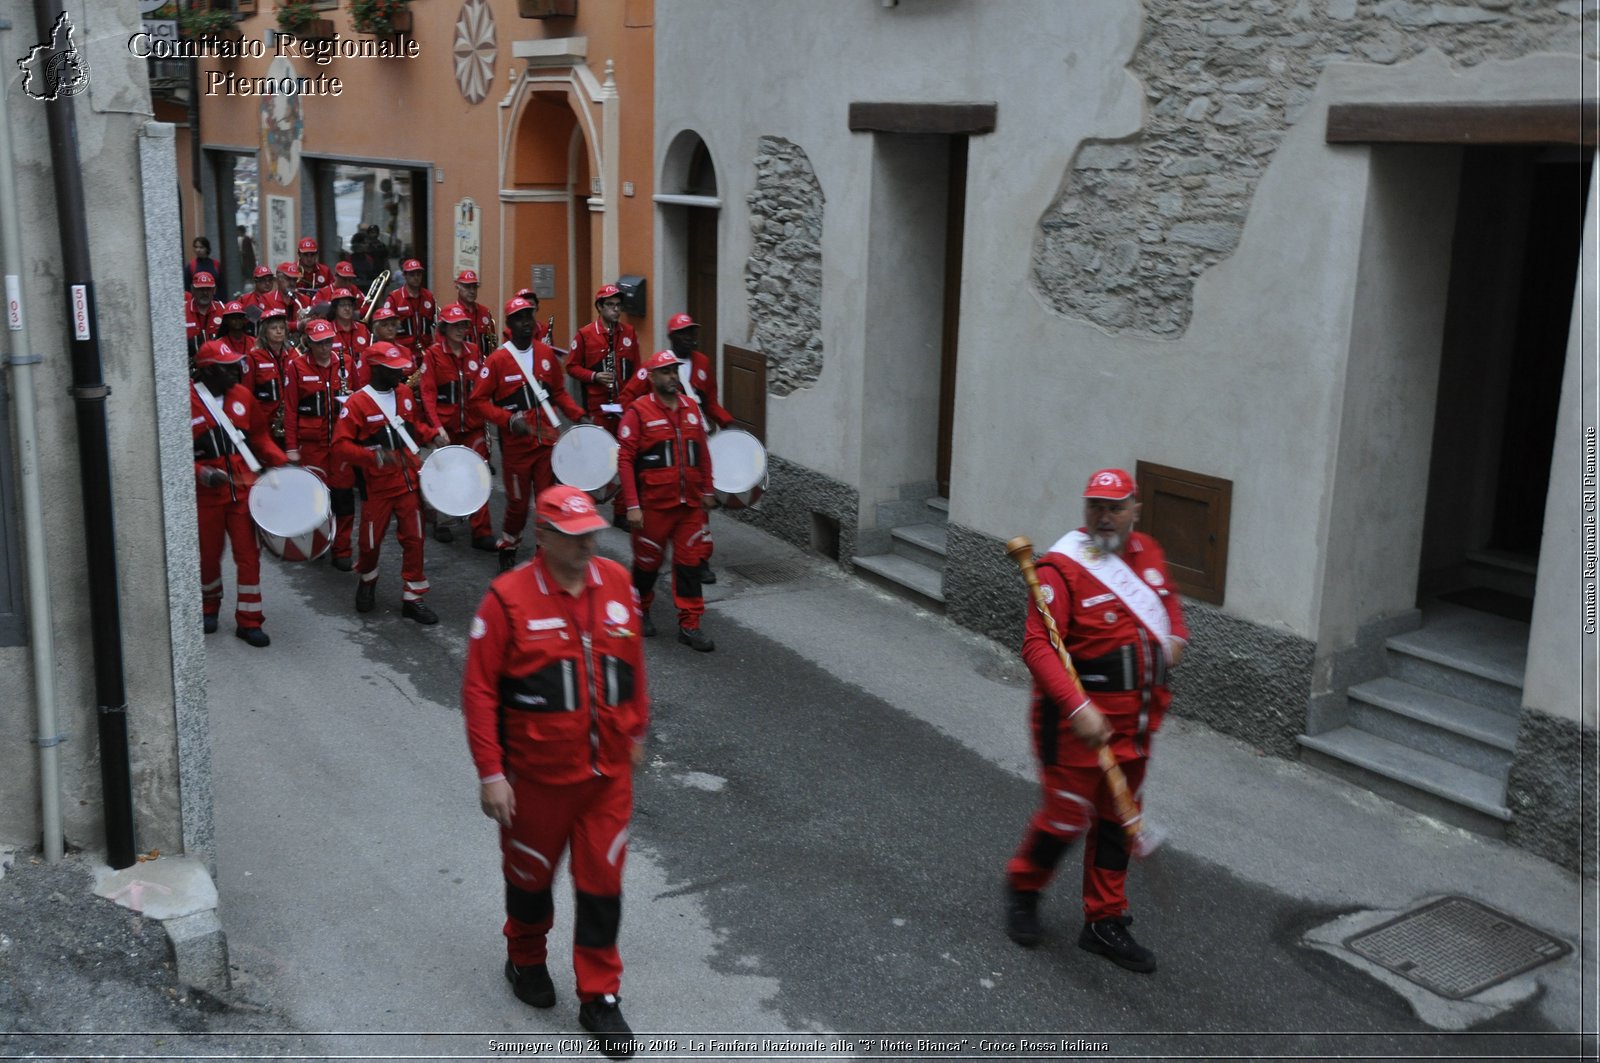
[530,392]
[226,437]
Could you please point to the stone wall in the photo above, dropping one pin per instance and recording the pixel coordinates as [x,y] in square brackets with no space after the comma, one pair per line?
[1138,220]
[783,275]
[794,493]
[1552,791]
[983,588]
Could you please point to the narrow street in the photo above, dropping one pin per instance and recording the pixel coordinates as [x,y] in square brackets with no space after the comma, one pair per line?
[817,847]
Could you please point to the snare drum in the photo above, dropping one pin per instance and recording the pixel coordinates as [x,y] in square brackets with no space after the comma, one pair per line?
[455,481]
[585,457]
[293,515]
[738,468]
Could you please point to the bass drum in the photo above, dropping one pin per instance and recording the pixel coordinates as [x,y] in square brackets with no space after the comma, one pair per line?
[585,457]
[738,468]
[455,481]
[294,517]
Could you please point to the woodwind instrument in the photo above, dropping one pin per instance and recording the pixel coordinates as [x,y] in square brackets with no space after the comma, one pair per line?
[609,364]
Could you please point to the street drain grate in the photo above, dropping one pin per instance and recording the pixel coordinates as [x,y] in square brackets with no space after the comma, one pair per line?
[1456,947]
[771,571]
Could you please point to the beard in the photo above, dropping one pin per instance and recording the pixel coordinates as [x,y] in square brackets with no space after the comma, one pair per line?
[1110,542]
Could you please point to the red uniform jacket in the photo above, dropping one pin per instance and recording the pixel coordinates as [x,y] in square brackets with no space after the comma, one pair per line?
[701,378]
[415,314]
[662,456]
[263,375]
[325,295]
[201,325]
[1122,666]
[480,326]
[587,357]
[354,342]
[318,277]
[289,302]
[213,449]
[310,399]
[446,385]
[554,687]
[363,428]
[502,391]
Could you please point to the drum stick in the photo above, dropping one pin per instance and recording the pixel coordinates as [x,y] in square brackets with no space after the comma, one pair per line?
[1021,551]
[209,401]
[539,392]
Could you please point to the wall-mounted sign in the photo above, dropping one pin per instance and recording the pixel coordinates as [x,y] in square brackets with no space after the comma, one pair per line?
[280,230]
[469,229]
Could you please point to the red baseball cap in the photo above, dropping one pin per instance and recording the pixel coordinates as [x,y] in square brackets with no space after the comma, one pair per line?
[410,265]
[307,244]
[516,304]
[235,307]
[661,360]
[387,354]
[203,280]
[289,269]
[569,511]
[217,352]
[681,321]
[607,291]
[1111,483]
[528,294]
[466,276]
[384,313]
[343,293]
[262,271]
[342,268]
[270,312]
[454,314]
[320,330]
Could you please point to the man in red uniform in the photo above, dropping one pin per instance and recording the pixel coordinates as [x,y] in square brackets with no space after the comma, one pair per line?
[414,309]
[602,357]
[253,301]
[480,322]
[372,436]
[266,365]
[449,373]
[217,402]
[518,389]
[202,314]
[351,336]
[1122,625]
[556,711]
[541,329]
[285,294]
[313,274]
[665,468]
[344,276]
[314,386]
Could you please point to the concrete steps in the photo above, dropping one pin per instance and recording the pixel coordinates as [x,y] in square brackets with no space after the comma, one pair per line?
[914,566]
[1439,731]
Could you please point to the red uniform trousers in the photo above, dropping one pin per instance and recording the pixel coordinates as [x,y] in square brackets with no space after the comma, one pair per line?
[340,479]
[230,519]
[1078,803]
[406,509]
[591,819]
[481,523]
[525,471]
[687,531]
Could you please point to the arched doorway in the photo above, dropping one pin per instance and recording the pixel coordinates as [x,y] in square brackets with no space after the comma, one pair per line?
[550,225]
[690,207]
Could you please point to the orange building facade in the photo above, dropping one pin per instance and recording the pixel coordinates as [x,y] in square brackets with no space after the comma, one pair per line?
[518,147]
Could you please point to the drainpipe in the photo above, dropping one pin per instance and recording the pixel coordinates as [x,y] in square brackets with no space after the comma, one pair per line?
[89,393]
[22,359]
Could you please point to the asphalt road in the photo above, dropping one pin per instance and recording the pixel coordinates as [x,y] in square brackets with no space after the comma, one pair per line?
[817,848]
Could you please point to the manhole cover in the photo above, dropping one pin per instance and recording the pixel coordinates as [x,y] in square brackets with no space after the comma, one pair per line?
[771,571]
[1456,947]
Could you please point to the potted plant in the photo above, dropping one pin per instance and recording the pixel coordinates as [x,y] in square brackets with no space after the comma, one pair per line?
[381,18]
[299,17]
[204,24]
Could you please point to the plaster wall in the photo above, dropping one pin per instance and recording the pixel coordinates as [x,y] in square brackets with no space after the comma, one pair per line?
[111,117]
[1562,632]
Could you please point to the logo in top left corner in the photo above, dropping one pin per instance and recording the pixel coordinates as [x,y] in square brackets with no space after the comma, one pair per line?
[55,68]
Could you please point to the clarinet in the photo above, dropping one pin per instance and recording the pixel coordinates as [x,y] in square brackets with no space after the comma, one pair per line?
[609,365]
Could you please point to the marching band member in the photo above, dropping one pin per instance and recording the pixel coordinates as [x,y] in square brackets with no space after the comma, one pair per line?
[665,466]
[202,314]
[254,301]
[371,436]
[315,384]
[344,276]
[449,373]
[414,309]
[222,479]
[480,322]
[266,364]
[602,357]
[350,335]
[285,295]
[1122,624]
[555,757]
[541,331]
[516,388]
[313,274]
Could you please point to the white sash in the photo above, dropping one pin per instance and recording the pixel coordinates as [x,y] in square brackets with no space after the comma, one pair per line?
[1119,579]
[533,382]
[394,422]
[209,401]
[685,371]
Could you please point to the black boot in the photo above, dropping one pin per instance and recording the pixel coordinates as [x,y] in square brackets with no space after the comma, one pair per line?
[532,984]
[366,595]
[706,575]
[696,639]
[485,543]
[443,534]
[208,623]
[254,636]
[508,559]
[413,610]
[648,627]
[1110,938]
[603,1015]
[1022,916]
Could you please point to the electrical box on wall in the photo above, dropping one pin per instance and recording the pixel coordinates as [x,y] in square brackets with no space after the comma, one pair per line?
[633,294]
[544,281]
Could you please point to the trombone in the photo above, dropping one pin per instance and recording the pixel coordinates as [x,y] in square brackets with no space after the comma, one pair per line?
[375,289]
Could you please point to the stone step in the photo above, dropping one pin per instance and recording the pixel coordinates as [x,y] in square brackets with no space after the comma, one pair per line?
[1415,779]
[1512,573]
[1474,656]
[922,543]
[1474,737]
[920,583]
[939,503]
